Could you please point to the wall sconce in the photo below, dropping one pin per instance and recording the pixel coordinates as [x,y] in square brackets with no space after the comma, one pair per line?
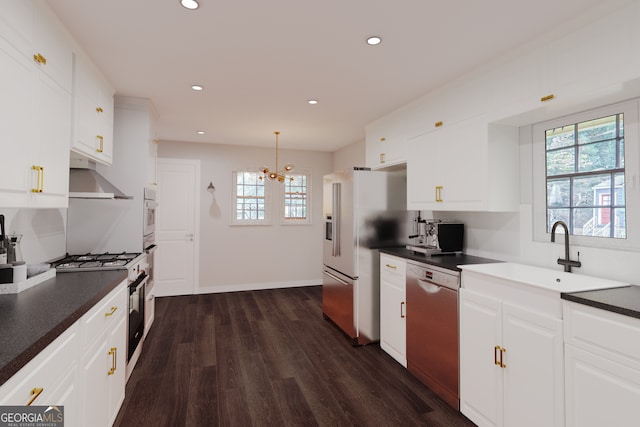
[210,187]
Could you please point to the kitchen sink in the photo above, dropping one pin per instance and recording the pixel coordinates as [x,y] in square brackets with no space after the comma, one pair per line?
[543,278]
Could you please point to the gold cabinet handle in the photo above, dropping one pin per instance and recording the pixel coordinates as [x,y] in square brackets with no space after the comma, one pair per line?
[383,139]
[438,124]
[101,139]
[99,110]
[499,350]
[35,392]
[547,98]
[40,186]
[114,355]
[438,193]
[40,59]
[391,266]
[402,305]
[382,159]
[113,310]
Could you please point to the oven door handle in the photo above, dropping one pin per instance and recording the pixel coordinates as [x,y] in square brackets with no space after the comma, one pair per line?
[140,280]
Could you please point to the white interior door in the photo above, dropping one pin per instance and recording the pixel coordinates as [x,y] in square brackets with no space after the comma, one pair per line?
[177,227]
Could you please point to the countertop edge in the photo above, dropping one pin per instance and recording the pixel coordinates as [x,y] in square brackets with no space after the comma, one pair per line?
[11,368]
[450,262]
[590,302]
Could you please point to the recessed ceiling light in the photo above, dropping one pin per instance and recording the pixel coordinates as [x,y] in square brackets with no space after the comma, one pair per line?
[374,40]
[312,101]
[197,87]
[190,4]
[200,132]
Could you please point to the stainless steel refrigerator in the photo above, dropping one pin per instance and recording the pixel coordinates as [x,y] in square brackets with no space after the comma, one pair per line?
[363,211]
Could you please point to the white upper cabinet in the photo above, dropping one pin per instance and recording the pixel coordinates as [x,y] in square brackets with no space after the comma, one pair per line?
[35,80]
[93,112]
[453,139]
[385,145]
[468,166]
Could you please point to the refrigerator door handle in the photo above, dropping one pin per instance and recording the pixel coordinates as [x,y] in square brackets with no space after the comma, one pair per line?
[336,278]
[335,218]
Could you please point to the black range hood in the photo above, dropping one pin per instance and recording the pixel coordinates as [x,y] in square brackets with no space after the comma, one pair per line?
[85,183]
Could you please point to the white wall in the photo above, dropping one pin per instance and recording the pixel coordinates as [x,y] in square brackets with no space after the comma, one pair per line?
[252,257]
[42,230]
[349,156]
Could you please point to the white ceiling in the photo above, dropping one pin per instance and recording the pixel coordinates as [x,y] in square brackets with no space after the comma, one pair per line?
[260,61]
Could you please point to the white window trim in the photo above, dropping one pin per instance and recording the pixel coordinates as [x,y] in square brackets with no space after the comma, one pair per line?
[267,201]
[632,169]
[308,220]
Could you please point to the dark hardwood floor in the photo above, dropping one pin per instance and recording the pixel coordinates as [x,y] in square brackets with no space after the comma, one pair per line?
[268,358]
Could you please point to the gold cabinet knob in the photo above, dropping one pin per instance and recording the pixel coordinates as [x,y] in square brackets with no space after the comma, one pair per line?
[40,59]
[438,124]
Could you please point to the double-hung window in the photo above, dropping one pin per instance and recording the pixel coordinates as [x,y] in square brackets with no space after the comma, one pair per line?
[587,160]
[253,202]
[251,199]
[296,199]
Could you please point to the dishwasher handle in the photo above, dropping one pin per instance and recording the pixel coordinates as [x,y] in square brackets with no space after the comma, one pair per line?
[429,287]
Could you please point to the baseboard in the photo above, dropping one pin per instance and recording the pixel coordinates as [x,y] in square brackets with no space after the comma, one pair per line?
[214,289]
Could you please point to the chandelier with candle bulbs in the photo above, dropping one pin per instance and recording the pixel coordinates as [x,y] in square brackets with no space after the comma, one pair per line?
[277,175]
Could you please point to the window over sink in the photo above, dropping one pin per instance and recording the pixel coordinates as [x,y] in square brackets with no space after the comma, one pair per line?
[585,174]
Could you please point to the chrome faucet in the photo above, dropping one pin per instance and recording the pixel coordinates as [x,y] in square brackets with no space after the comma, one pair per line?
[567,262]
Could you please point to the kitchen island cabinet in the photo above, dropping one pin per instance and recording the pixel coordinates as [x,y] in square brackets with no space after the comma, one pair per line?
[35,80]
[393,309]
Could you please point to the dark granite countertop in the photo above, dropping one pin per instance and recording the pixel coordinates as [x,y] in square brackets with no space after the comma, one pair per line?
[450,262]
[32,319]
[625,300]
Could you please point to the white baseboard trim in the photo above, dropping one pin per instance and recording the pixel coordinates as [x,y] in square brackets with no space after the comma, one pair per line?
[215,289]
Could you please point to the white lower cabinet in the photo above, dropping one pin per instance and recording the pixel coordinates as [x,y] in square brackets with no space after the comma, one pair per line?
[104,360]
[602,367]
[49,378]
[511,364]
[87,379]
[393,328]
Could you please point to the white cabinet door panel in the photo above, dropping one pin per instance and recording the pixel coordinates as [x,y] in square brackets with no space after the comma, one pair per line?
[534,372]
[600,392]
[481,383]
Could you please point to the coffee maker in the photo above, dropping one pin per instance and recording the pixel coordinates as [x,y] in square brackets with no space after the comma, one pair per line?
[436,237]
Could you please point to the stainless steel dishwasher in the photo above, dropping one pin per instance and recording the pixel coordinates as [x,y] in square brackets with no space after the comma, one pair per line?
[432,328]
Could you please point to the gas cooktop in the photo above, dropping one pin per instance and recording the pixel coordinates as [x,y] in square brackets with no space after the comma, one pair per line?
[95,262]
